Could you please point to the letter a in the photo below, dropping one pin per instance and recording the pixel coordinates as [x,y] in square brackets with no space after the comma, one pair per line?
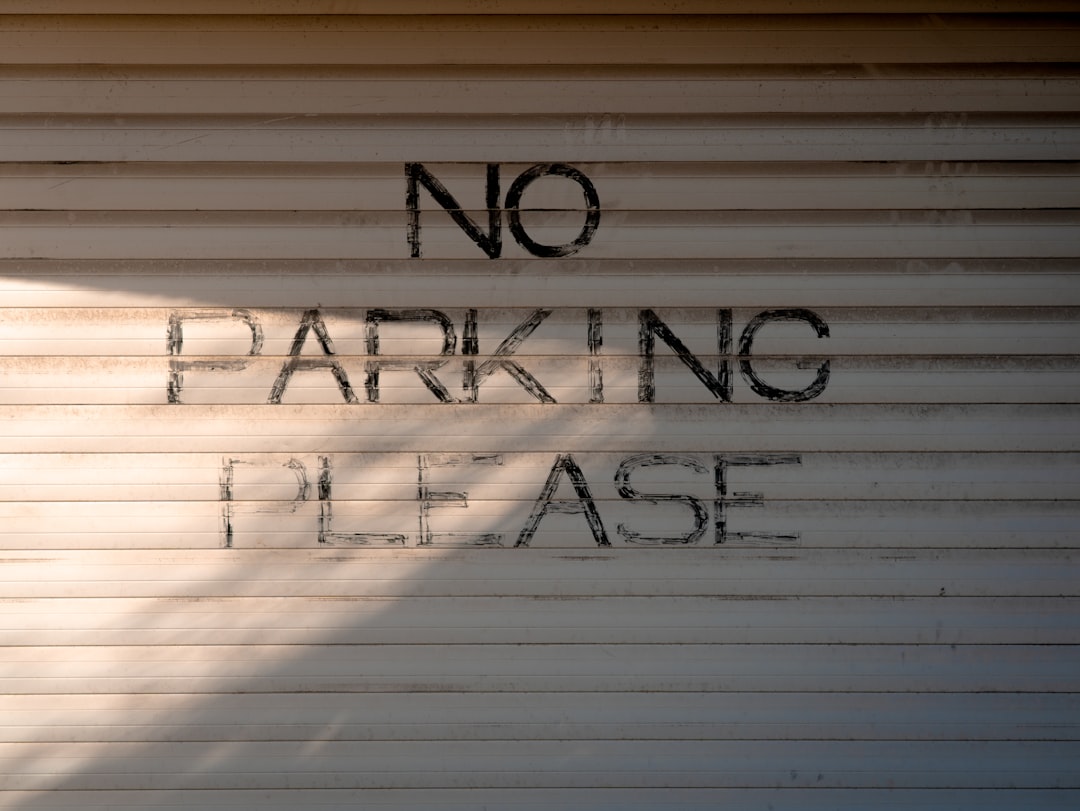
[564,463]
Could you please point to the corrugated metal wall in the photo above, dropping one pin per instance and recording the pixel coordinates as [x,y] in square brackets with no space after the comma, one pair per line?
[721,450]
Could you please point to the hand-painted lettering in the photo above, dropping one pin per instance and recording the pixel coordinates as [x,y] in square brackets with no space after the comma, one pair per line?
[175,345]
[500,359]
[229,504]
[625,490]
[272,500]
[431,499]
[746,367]
[425,369]
[581,377]
[592,210]
[651,326]
[584,503]
[327,536]
[417,175]
[311,320]
[595,340]
[724,500]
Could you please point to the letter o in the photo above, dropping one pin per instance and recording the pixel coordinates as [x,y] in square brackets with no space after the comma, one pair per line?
[592,217]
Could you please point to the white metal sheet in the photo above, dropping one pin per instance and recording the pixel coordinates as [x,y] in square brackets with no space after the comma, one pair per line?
[515,407]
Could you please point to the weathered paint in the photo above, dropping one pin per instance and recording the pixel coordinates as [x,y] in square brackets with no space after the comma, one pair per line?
[674,408]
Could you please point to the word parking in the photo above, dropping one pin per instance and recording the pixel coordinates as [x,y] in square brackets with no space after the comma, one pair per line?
[427,357]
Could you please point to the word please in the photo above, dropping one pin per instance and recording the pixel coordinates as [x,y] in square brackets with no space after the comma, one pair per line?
[651,516]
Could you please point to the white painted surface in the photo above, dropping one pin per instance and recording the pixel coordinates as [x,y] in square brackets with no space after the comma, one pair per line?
[361,597]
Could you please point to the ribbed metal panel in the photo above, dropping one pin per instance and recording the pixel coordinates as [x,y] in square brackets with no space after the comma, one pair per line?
[717,445]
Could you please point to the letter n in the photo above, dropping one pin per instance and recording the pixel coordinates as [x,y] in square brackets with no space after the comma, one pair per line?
[417,175]
[718,384]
